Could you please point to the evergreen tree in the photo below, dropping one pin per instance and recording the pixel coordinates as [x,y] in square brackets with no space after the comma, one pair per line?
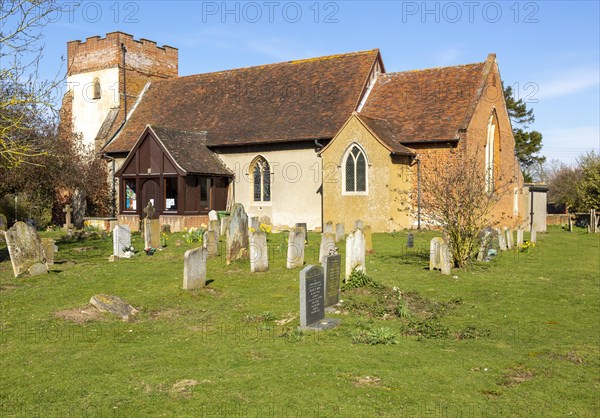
[527,143]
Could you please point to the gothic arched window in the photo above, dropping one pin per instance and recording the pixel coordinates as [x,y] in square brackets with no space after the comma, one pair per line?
[261,180]
[492,151]
[97,93]
[355,170]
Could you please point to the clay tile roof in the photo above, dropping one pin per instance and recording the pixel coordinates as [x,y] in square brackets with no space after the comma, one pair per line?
[291,101]
[189,151]
[387,133]
[426,105]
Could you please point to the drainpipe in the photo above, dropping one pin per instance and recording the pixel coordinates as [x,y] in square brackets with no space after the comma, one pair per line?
[531,212]
[418,193]
[124,85]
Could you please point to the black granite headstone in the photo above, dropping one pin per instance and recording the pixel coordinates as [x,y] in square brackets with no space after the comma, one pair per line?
[312,292]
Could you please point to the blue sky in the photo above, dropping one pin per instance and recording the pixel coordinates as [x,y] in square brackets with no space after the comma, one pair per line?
[548,50]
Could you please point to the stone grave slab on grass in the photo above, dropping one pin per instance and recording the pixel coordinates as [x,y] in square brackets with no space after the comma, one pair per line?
[113,305]
[435,253]
[259,253]
[121,240]
[24,247]
[327,245]
[312,300]
[211,243]
[295,252]
[332,268]
[237,235]
[194,268]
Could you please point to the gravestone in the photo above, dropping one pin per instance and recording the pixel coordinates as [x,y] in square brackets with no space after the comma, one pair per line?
[435,253]
[151,233]
[265,220]
[355,253]
[295,253]
[24,247]
[312,286]
[237,235]
[358,224]
[520,237]
[121,240]
[194,268]
[410,240]
[225,221]
[501,240]
[255,223]
[214,227]
[213,216]
[114,305]
[327,245]
[332,267]
[49,250]
[303,226]
[210,241]
[484,244]
[340,232]
[509,238]
[259,253]
[328,229]
[368,238]
[67,211]
[79,206]
[533,235]
[445,258]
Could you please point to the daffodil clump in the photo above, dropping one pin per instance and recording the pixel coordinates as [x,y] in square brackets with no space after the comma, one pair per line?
[194,234]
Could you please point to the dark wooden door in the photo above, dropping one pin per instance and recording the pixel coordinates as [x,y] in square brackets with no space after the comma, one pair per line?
[151,192]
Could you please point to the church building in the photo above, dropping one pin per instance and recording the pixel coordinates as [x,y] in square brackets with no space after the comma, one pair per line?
[332,138]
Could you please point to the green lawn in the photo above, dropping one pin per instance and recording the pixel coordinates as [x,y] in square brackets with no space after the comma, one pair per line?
[521,337]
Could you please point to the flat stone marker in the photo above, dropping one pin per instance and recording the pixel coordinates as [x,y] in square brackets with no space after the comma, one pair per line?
[237,235]
[359,224]
[328,228]
[327,245]
[210,241]
[213,216]
[121,240]
[332,267]
[519,237]
[24,247]
[194,268]
[368,238]
[114,305]
[355,253]
[340,231]
[303,226]
[445,258]
[509,238]
[501,240]
[312,286]
[435,253]
[259,253]
[295,253]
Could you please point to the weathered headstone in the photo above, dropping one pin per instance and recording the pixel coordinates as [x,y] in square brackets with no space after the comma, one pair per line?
[49,249]
[368,238]
[194,268]
[410,240]
[328,228]
[67,211]
[484,245]
[151,233]
[533,236]
[213,216]
[519,237]
[214,226]
[435,253]
[312,285]
[237,235]
[24,247]
[445,258]
[259,253]
[327,245]
[332,266]
[121,240]
[509,238]
[501,240]
[114,305]
[210,241]
[303,226]
[355,253]
[358,224]
[295,252]
[255,223]
[340,232]
[225,221]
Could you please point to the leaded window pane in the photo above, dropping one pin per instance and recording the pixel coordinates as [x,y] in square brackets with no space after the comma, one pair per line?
[350,174]
[266,184]
[257,181]
[361,173]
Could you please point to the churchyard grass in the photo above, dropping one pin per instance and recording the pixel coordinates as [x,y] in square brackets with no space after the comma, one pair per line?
[522,337]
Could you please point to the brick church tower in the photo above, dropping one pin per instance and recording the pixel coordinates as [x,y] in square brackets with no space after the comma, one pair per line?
[105,77]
